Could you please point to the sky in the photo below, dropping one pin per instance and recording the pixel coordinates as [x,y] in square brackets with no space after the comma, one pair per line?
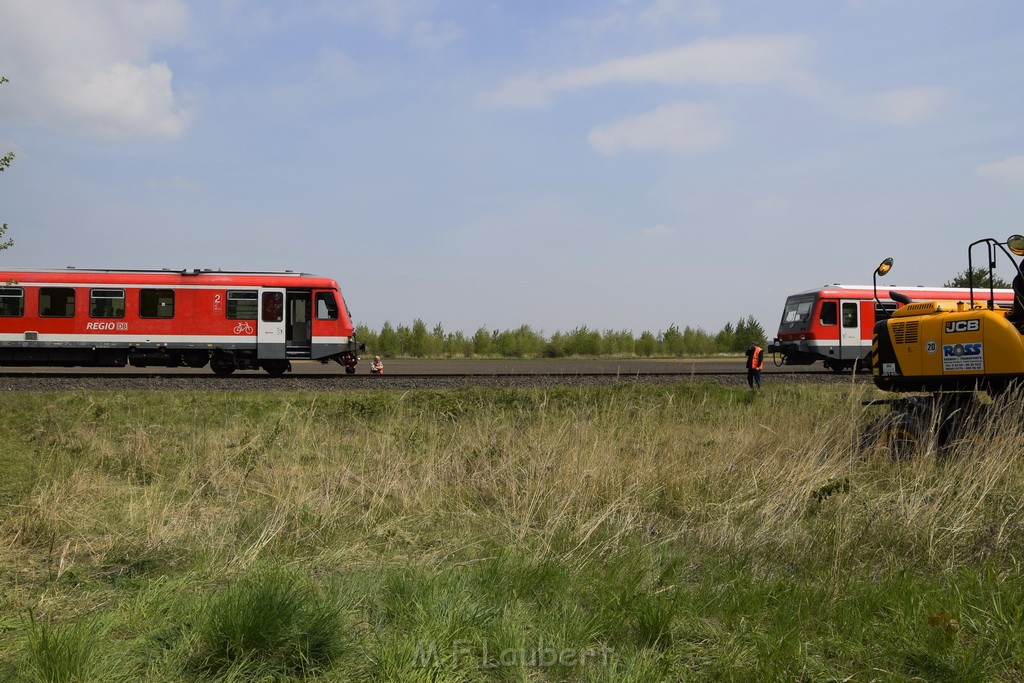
[619,164]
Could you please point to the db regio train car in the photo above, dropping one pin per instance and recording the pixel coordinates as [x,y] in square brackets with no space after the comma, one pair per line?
[229,320]
[834,324]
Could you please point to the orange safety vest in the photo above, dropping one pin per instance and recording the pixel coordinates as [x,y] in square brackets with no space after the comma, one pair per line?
[756,361]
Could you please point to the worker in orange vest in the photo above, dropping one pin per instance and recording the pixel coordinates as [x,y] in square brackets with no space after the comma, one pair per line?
[755,361]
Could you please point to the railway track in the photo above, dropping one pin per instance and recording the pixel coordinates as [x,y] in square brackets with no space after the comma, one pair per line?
[143,379]
[258,374]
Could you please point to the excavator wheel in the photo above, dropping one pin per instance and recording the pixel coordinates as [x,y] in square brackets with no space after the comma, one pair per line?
[898,435]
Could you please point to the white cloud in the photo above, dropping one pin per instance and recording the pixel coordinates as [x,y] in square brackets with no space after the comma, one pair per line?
[630,15]
[332,67]
[389,17]
[408,20]
[123,101]
[432,36]
[84,65]
[726,61]
[660,11]
[680,128]
[903,106]
[1009,170]
[658,231]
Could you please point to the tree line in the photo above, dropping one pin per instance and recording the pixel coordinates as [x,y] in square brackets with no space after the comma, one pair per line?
[419,341]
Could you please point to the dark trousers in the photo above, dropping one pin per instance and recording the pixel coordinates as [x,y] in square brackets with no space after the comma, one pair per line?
[753,377]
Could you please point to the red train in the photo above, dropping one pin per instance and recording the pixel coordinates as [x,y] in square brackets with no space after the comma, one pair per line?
[834,324]
[229,320]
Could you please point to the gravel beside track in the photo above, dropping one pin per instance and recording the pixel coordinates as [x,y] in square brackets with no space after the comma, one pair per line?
[408,375]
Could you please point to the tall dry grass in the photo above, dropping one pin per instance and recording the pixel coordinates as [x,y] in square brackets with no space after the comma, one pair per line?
[699,482]
[309,475]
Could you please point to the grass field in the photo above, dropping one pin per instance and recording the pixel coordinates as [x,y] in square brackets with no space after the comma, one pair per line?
[634,533]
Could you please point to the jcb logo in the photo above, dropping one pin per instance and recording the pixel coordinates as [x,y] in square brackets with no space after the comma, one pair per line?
[963,325]
[958,350]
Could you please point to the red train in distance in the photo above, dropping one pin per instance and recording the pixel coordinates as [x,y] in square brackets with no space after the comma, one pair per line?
[229,320]
[834,324]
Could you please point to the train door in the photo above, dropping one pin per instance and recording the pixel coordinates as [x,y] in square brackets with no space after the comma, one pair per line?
[299,334]
[327,331]
[271,340]
[849,329]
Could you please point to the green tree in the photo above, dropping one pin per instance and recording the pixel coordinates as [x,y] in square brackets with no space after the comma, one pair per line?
[583,342]
[618,342]
[404,335]
[521,343]
[697,342]
[981,279]
[482,342]
[725,340]
[456,344]
[367,336]
[748,330]
[435,342]
[387,341]
[5,163]
[419,340]
[556,346]
[647,345]
[672,341]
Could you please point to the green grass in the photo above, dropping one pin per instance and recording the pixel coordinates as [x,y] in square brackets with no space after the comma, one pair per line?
[269,624]
[62,654]
[634,533]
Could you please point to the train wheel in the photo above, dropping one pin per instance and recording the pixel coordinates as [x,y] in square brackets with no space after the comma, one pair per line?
[275,368]
[222,364]
[350,370]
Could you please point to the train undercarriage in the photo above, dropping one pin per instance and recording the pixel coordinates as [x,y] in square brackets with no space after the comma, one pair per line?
[221,362]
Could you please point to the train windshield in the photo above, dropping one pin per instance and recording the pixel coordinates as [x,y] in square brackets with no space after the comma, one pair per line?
[798,309]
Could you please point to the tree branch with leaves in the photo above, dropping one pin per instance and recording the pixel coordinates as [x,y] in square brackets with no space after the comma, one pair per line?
[5,162]
[983,279]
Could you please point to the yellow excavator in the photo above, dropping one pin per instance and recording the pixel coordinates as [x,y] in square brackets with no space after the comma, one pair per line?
[949,354]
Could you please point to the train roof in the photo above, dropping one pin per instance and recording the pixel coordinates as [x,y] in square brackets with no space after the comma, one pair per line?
[208,276]
[883,290]
[164,271]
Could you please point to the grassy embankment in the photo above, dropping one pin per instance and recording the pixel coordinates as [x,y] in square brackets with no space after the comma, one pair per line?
[627,534]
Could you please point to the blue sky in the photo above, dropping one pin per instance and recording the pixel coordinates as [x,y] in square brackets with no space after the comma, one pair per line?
[620,164]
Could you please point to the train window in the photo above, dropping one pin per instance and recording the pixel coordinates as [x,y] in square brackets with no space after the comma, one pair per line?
[797,310]
[850,313]
[242,305]
[156,303]
[106,303]
[326,306]
[884,309]
[56,302]
[273,307]
[12,302]
[828,313]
